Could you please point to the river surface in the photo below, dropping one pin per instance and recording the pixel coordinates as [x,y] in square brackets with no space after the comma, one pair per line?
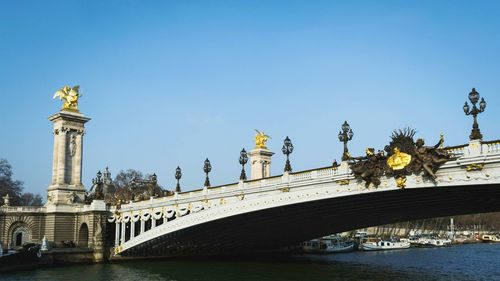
[465,262]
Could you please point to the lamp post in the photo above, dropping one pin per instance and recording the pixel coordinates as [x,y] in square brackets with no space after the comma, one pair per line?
[287,149]
[98,189]
[178,175]
[474,98]
[243,161]
[207,168]
[345,135]
[98,179]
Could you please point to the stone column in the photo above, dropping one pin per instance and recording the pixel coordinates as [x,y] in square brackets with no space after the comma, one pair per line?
[132,229]
[260,163]
[117,234]
[124,226]
[66,186]
[142,226]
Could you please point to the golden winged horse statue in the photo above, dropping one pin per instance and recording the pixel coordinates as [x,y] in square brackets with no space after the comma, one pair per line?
[261,139]
[70,97]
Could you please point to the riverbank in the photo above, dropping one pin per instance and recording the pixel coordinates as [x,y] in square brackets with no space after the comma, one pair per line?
[54,257]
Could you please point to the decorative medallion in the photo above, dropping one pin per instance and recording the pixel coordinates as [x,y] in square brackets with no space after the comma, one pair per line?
[285,189]
[343,182]
[474,167]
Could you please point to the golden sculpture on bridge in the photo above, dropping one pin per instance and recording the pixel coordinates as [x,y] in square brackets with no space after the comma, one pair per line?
[402,157]
[398,160]
[70,97]
[261,139]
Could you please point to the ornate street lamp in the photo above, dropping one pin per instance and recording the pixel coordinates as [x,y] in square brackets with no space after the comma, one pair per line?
[243,161]
[98,179]
[98,189]
[178,175]
[287,149]
[474,98]
[207,168]
[345,135]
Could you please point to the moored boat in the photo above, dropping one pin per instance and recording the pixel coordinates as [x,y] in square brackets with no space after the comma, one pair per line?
[490,238]
[384,245]
[327,246]
[429,242]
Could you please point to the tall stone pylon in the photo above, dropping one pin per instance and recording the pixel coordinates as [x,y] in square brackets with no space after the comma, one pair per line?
[260,158]
[66,186]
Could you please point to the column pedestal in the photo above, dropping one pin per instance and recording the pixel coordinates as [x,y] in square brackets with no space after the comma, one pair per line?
[260,163]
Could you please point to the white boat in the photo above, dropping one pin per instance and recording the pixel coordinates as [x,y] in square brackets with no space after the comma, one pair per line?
[327,246]
[430,242]
[384,245]
[490,238]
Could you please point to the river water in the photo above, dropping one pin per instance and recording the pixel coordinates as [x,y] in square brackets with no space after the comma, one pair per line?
[465,262]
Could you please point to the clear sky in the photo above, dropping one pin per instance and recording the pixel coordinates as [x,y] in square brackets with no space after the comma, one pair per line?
[170,83]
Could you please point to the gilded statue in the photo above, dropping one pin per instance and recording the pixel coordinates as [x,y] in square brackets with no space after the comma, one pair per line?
[370,167]
[399,160]
[70,97]
[261,139]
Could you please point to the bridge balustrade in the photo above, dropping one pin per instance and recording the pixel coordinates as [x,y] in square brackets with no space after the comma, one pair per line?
[492,147]
[23,209]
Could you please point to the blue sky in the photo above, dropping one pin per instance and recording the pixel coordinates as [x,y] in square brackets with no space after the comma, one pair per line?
[170,83]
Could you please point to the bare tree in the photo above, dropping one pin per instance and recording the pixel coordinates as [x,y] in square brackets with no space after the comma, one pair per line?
[15,188]
[30,199]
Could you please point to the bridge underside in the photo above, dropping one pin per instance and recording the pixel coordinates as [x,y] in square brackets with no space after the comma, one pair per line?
[278,227]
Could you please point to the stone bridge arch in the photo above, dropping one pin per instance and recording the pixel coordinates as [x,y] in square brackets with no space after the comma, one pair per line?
[20,230]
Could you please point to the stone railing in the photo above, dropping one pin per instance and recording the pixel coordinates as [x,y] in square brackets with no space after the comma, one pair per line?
[458,150]
[22,209]
[242,188]
[492,146]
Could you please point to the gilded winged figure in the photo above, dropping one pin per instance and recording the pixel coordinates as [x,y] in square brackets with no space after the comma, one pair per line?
[70,97]
[261,139]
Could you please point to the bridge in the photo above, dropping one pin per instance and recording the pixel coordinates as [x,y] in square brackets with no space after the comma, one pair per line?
[277,211]
[406,181]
